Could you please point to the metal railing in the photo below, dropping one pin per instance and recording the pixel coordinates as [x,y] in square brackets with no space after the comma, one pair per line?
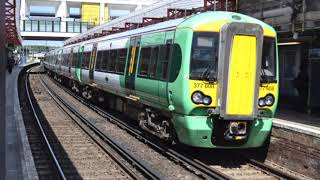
[55,26]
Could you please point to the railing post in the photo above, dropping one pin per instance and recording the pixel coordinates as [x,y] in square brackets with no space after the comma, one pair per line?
[63,26]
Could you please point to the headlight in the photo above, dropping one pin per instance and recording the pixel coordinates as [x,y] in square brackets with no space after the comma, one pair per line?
[269,99]
[207,100]
[197,97]
[261,102]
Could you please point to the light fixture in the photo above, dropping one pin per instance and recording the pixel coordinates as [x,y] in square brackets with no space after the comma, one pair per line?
[288,43]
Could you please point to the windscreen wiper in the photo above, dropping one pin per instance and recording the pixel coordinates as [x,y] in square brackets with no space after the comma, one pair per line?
[206,74]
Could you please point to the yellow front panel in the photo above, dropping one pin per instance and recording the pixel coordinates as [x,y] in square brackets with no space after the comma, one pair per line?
[242,75]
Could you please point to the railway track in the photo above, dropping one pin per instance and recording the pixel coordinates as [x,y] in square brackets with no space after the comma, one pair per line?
[240,168]
[76,151]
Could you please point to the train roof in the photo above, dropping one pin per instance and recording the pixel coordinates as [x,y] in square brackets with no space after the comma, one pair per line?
[192,22]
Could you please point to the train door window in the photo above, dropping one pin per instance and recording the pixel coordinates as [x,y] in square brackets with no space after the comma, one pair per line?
[69,56]
[144,61]
[74,60]
[85,60]
[64,57]
[122,55]
[153,61]
[162,67]
[112,61]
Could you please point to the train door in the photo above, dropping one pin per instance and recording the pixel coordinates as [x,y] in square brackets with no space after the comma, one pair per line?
[163,67]
[132,66]
[85,64]
[70,61]
[93,59]
[59,63]
[239,70]
[74,62]
[79,63]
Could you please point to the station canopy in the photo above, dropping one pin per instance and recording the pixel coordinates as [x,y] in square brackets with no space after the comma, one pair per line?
[12,22]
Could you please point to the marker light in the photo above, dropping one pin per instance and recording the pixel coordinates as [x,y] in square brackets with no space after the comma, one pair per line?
[207,100]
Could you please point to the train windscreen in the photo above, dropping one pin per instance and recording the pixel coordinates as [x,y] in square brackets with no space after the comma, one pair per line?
[204,56]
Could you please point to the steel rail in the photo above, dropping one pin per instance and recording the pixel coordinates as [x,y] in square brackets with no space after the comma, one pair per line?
[56,163]
[270,170]
[137,162]
[206,171]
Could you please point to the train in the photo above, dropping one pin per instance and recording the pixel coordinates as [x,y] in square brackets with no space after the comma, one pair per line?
[208,80]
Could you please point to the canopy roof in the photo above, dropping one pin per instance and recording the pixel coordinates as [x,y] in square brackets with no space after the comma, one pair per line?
[12,22]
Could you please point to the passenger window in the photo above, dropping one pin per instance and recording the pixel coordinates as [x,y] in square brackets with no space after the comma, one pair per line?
[153,61]
[105,60]
[74,60]
[144,61]
[122,55]
[98,61]
[112,61]
[85,60]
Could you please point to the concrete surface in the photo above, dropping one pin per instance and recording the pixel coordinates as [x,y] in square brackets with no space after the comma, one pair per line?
[19,160]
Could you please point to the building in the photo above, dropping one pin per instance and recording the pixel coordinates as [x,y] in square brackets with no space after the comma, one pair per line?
[48,23]
[297,23]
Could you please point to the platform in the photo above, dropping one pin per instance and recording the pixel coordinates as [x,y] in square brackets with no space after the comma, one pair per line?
[295,142]
[19,160]
[299,122]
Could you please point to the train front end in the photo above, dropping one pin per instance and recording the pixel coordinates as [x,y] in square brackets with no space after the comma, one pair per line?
[233,82]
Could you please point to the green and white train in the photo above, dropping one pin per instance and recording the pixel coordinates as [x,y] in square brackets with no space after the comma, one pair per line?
[208,80]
